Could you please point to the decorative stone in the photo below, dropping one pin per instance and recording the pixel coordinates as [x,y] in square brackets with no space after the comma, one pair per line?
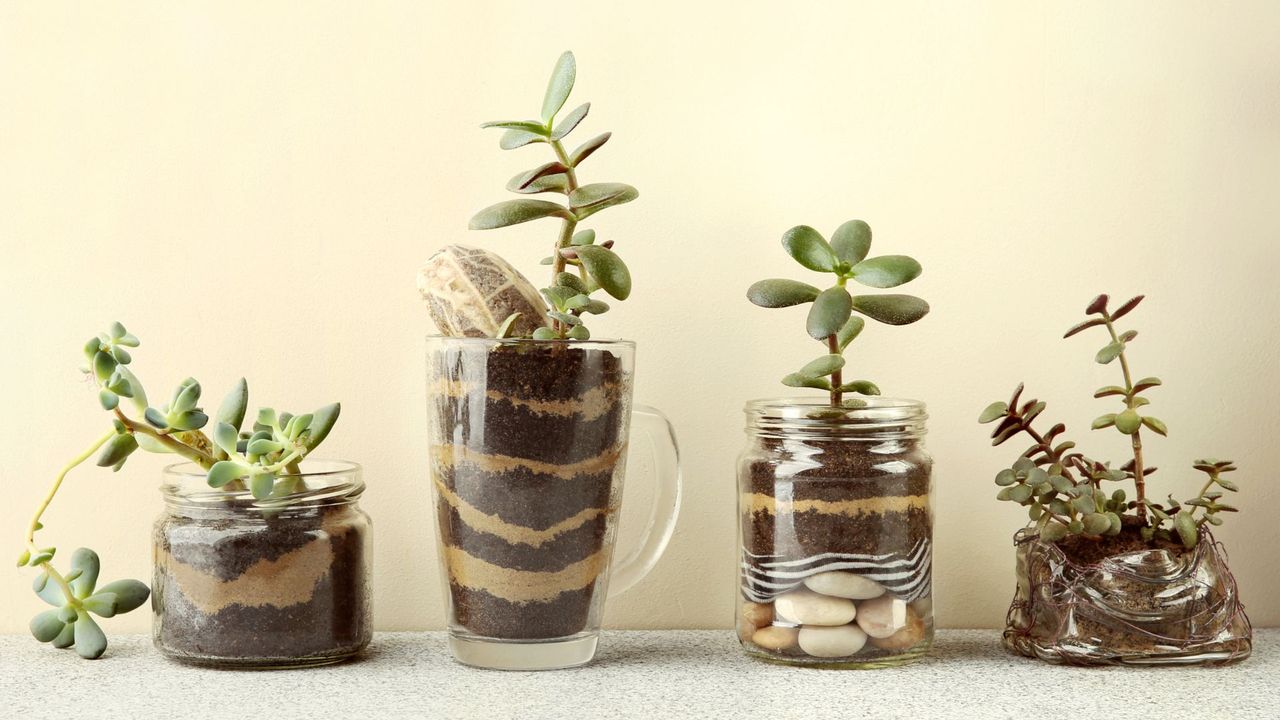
[470,292]
[906,637]
[757,614]
[844,584]
[923,605]
[809,608]
[831,642]
[883,616]
[775,637]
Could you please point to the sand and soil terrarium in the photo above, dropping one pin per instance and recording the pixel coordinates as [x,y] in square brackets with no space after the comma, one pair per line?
[261,555]
[529,416]
[835,522]
[1105,577]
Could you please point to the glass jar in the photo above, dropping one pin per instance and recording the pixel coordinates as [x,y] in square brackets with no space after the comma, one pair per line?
[273,584]
[836,533]
[1160,605]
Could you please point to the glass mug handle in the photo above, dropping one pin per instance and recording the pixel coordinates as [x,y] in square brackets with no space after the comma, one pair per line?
[666,500]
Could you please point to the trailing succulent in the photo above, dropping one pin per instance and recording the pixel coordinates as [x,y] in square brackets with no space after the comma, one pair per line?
[597,266]
[1063,489]
[832,319]
[263,459]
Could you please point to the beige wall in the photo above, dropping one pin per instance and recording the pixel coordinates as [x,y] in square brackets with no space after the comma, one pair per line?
[251,188]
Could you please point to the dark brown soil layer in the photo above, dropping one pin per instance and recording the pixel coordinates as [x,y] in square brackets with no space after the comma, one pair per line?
[842,471]
[334,620]
[550,405]
[1084,550]
[490,616]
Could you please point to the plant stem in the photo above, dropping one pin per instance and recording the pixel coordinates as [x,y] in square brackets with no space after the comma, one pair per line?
[57,483]
[568,226]
[203,460]
[1139,479]
[837,377]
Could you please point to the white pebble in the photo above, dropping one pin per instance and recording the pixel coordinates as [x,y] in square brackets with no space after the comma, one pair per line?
[807,608]
[832,642]
[845,585]
[883,616]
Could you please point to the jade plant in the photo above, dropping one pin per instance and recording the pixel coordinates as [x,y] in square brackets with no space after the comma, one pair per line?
[263,460]
[579,265]
[1065,492]
[835,314]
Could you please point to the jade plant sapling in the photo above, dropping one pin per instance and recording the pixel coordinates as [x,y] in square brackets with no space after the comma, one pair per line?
[264,459]
[597,266]
[1064,490]
[832,319]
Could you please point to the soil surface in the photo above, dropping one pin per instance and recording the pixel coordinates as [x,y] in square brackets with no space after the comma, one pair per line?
[1091,551]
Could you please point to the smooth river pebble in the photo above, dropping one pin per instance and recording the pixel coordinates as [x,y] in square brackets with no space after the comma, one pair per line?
[883,616]
[906,637]
[775,637]
[831,642]
[845,585]
[808,608]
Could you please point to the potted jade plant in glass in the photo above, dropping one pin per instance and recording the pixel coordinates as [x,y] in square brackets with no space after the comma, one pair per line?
[261,556]
[529,416]
[835,522]
[1106,577]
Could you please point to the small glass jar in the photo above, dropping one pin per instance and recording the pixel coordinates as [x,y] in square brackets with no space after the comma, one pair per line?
[835,533]
[274,584]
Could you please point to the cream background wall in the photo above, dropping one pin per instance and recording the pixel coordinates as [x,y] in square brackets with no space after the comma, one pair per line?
[251,186]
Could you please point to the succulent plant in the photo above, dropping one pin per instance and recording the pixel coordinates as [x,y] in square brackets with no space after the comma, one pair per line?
[579,265]
[268,456]
[835,315]
[1063,489]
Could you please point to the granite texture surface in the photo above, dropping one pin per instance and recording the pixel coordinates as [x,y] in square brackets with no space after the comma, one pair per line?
[639,674]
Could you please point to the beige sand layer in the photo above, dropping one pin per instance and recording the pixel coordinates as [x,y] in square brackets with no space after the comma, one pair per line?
[758,502]
[591,405]
[448,456]
[494,525]
[520,586]
[288,580]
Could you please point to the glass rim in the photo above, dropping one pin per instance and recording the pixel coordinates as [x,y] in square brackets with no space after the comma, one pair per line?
[879,418]
[469,340]
[184,485]
[796,407]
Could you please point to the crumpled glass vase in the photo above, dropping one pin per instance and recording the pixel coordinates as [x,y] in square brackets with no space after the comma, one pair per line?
[1148,607]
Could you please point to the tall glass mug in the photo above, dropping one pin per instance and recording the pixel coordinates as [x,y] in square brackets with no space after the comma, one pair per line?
[528,444]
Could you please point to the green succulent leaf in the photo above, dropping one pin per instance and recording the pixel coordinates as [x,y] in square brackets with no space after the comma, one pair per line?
[46,626]
[1128,422]
[886,271]
[565,318]
[891,309]
[129,594]
[559,87]
[1156,424]
[1184,522]
[810,249]
[66,637]
[1104,421]
[226,437]
[525,179]
[1146,383]
[570,121]
[504,330]
[192,420]
[526,125]
[608,270]
[90,641]
[579,332]
[822,366]
[516,138]
[993,412]
[155,418]
[583,151]
[544,333]
[514,212]
[1006,477]
[590,199]
[852,241]
[1053,532]
[583,237]
[261,485]
[322,421]
[102,604]
[850,330]
[117,449]
[47,591]
[85,565]
[1110,352]
[1091,322]
[1096,523]
[103,366]
[108,400]
[780,293]
[558,183]
[829,313]
[224,472]
[797,380]
[862,387]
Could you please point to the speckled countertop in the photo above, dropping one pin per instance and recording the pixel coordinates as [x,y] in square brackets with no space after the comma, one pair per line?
[651,675]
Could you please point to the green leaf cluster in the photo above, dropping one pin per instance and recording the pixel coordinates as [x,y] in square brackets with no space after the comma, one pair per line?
[1066,496]
[76,598]
[596,265]
[836,316]
[264,458]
